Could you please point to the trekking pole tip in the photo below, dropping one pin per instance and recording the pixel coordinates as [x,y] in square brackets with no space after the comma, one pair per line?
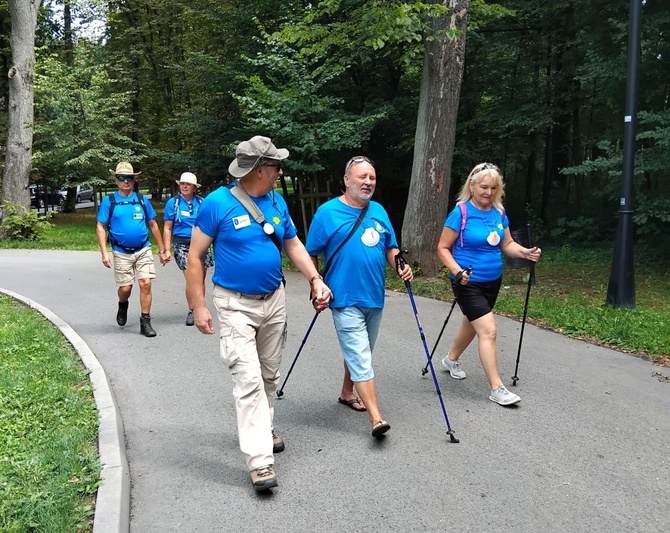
[424,371]
[452,437]
[514,380]
[280,393]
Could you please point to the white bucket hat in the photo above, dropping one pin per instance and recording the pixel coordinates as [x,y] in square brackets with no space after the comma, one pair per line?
[188,177]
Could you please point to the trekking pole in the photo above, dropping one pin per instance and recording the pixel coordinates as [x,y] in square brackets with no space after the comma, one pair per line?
[424,370]
[458,278]
[531,281]
[280,392]
[400,265]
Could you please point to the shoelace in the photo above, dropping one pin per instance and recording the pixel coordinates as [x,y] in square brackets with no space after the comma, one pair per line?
[502,390]
[264,471]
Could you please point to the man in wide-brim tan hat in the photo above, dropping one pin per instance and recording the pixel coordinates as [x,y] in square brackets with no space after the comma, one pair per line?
[124,169]
[127,217]
[249,293]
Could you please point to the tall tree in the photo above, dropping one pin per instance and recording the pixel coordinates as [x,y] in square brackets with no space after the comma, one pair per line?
[23,16]
[441,79]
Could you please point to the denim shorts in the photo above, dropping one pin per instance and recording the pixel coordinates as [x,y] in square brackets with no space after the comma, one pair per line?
[357,329]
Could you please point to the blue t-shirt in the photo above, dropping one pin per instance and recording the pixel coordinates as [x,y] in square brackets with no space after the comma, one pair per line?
[183,217]
[486,260]
[245,258]
[128,227]
[356,273]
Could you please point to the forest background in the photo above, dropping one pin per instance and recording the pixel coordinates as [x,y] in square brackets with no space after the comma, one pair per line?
[175,85]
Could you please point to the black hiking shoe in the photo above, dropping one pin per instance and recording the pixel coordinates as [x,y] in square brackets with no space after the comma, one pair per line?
[145,326]
[122,313]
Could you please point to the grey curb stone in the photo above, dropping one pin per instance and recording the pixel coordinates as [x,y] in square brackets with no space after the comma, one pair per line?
[112,505]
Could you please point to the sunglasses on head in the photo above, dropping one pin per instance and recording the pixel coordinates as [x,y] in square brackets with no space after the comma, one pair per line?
[487,166]
[127,179]
[357,159]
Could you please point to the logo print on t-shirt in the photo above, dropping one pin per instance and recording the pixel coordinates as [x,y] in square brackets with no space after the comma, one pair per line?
[379,227]
[276,221]
[370,237]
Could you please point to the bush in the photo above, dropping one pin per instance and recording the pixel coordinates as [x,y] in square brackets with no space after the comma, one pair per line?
[20,224]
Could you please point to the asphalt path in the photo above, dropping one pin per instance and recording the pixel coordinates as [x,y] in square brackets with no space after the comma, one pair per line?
[585,450]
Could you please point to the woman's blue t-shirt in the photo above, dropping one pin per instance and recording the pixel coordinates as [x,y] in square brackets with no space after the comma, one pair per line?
[182,214]
[486,260]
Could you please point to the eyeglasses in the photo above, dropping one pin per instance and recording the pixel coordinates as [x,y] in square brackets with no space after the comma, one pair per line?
[127,179]
[277,166]
[357,159]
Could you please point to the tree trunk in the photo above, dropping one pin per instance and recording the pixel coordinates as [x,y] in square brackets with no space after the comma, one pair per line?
[23,16]
[434,140]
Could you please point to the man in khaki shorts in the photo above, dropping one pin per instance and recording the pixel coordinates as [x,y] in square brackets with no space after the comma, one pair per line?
[128,217]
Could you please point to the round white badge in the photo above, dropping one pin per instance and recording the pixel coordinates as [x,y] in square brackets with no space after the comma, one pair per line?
[493,239]
[268,228]
[370,237]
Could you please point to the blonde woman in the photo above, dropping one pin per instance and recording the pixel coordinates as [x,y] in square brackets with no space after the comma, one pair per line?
[475,234]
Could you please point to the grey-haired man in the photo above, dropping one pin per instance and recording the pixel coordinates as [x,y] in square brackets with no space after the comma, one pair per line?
[248,292]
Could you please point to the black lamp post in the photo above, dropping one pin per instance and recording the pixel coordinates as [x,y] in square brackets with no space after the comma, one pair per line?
[621,288]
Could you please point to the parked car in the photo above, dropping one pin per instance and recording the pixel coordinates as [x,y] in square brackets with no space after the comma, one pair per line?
[84,193]
[39,197]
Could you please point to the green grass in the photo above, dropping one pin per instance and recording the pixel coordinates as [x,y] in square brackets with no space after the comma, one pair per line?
[49,467]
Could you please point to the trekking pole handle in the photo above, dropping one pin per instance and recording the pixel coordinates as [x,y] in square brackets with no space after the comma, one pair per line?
[400,263]
[459,276]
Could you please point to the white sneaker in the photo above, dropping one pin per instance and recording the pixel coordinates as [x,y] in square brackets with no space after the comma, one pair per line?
[453,367]
[503,397]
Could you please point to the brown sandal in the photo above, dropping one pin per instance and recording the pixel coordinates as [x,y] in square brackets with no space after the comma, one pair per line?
[351,403]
